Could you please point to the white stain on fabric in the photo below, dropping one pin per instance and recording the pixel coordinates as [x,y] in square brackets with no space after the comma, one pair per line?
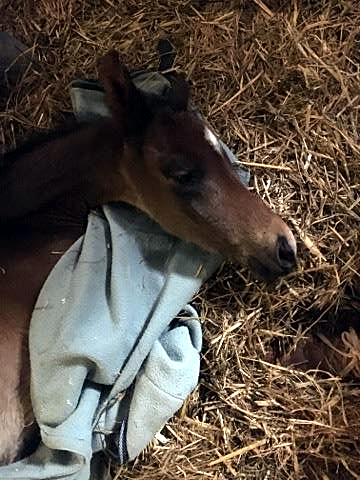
[211,138]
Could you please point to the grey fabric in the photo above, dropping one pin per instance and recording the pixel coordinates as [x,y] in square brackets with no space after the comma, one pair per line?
[111,358]
[88,101]
[14,59]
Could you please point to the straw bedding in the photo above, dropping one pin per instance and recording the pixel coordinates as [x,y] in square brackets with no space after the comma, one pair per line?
[280,82]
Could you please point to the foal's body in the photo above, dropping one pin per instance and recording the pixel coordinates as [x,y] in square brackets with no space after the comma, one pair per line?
[25,264]
[33,237]
[166,163]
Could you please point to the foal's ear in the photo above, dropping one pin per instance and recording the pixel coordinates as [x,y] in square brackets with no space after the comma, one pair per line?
[116,82]
[179,93]
[125,102]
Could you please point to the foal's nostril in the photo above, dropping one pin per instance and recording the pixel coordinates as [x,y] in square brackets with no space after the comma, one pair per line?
[286,254]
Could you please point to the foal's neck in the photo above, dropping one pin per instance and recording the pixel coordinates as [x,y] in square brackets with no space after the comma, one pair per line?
[86,164]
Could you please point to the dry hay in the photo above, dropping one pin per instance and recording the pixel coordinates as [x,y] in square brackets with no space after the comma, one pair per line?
[280,81]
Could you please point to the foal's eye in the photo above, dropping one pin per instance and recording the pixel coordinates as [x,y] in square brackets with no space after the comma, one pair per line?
[183,178]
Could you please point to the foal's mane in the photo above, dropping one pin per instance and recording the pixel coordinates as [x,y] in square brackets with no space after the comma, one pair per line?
[37,139]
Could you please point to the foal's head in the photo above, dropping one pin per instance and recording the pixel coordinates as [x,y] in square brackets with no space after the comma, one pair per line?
[182,178]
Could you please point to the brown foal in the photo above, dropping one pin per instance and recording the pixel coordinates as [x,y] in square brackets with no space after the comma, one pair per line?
[165,161]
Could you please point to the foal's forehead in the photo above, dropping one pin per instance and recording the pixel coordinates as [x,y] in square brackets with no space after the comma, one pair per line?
[186,133]
[206,143]
[196,131]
